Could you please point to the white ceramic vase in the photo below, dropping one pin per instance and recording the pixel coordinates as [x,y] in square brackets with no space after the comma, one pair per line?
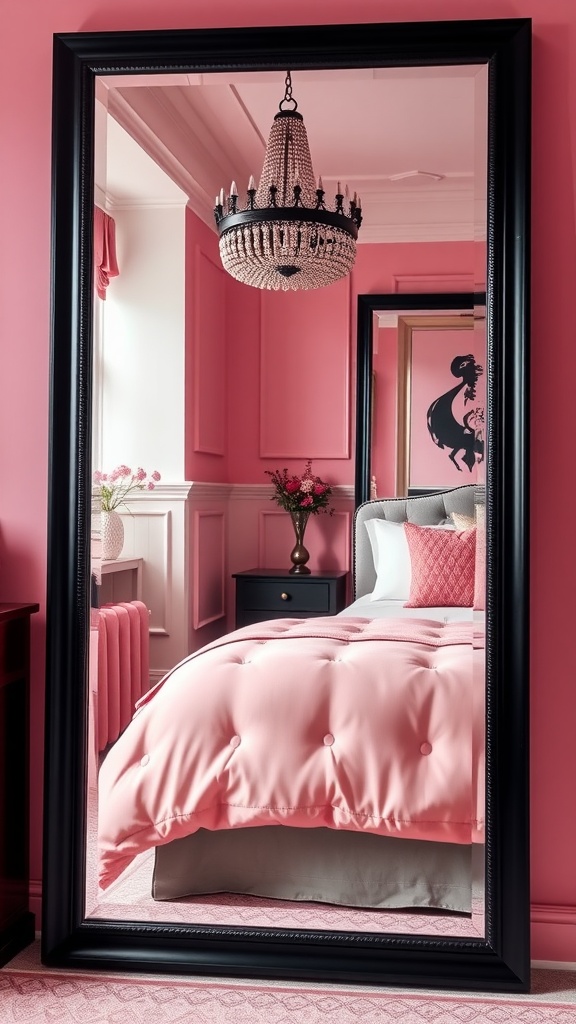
[112,534]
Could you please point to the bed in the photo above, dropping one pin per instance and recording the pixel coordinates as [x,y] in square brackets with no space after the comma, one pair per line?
[338,759]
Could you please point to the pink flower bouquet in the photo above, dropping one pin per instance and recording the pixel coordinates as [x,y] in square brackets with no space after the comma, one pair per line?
[306,493]
[116,486]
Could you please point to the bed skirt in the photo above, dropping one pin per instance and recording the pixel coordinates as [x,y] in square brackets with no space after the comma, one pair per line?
[347,868]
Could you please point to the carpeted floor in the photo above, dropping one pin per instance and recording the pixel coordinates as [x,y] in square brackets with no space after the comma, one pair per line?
[31,994]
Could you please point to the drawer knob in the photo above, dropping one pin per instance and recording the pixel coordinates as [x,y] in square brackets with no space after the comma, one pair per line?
[285,597]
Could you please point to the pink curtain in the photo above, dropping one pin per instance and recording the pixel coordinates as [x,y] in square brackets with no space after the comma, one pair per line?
[105,264]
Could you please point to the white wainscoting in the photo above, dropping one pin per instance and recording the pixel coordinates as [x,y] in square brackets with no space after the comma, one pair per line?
[193,535]
[155,530]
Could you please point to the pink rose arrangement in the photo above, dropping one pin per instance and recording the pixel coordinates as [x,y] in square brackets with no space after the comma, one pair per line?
[305,493]
[115,487]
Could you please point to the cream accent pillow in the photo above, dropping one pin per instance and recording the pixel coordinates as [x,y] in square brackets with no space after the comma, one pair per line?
[462,522]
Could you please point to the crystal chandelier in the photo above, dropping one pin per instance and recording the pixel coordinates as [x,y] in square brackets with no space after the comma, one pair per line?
[286,236]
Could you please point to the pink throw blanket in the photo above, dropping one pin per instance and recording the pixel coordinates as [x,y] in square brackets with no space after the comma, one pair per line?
[371,725]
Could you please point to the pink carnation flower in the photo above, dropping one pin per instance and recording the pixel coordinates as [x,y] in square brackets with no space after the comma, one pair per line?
[293,485]
[306,502]
[140,473]
[155,475]
[319,488]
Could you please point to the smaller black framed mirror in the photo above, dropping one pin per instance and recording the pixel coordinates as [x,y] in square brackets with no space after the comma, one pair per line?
[421,315]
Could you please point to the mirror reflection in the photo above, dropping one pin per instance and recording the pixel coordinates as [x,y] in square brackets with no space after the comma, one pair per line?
[236,794]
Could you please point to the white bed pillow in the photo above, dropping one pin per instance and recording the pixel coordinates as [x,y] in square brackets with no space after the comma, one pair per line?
[391,560]
[391,556]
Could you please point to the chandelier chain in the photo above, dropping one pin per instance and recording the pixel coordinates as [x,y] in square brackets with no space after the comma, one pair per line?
[288,97]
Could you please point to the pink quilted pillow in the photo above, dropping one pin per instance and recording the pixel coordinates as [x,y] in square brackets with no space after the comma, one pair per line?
[442,567]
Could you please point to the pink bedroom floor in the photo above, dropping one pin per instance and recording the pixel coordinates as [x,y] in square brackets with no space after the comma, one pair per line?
[32,994]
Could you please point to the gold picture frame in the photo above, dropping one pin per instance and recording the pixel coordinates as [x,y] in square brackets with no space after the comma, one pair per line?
[406,325]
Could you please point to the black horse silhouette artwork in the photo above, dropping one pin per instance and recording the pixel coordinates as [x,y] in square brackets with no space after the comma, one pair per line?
[465,435]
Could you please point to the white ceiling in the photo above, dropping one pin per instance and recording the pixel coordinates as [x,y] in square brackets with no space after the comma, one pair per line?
[374,129]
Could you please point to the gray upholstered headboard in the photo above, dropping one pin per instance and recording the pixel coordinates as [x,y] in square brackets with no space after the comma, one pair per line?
[425,510]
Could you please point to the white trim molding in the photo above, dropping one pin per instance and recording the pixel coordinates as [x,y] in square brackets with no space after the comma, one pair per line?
[260,492]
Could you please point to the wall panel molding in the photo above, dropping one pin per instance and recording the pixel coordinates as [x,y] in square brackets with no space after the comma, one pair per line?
[304,386]
[209,602]
[209,383]
[148,535]
[332,549]
[409,283]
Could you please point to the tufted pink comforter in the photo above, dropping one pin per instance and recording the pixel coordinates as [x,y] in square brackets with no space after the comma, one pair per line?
[343,722]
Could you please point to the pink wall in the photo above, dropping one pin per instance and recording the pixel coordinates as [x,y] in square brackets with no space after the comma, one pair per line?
[206,420]
[292,358]
[25,85]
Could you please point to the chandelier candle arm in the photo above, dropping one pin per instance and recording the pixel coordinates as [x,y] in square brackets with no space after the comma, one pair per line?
[285,237]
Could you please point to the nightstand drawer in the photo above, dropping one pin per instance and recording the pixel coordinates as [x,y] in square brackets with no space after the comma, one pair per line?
[275,594]
[281,595]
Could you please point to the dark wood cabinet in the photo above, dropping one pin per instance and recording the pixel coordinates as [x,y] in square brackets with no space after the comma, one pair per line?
[274,594]
[16,921]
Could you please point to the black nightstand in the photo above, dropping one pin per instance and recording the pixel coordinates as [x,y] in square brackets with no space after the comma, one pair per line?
[275,594]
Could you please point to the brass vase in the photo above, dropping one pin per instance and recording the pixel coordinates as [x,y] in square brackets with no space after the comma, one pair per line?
[299,555]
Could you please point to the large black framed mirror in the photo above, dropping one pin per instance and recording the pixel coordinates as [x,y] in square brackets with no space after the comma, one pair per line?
[498,960]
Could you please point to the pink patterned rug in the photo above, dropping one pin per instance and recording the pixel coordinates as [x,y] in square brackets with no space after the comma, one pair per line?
[32,994]
[47,998]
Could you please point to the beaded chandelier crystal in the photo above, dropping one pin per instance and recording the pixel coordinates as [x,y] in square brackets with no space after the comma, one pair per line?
[285,236]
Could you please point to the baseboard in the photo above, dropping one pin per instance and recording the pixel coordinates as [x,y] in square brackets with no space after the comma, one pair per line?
[553,965]
[553,935]
[35,901]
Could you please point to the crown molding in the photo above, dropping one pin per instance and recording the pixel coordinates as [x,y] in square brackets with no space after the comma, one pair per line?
[142,134]
[393,211]
[100,197]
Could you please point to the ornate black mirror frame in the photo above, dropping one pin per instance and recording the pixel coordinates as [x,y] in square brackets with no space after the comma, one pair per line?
[501,960]
[368,305]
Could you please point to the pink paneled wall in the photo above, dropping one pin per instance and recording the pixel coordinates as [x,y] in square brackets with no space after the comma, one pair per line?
[292,361]
[25,83]
[304,374]
[206,443]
